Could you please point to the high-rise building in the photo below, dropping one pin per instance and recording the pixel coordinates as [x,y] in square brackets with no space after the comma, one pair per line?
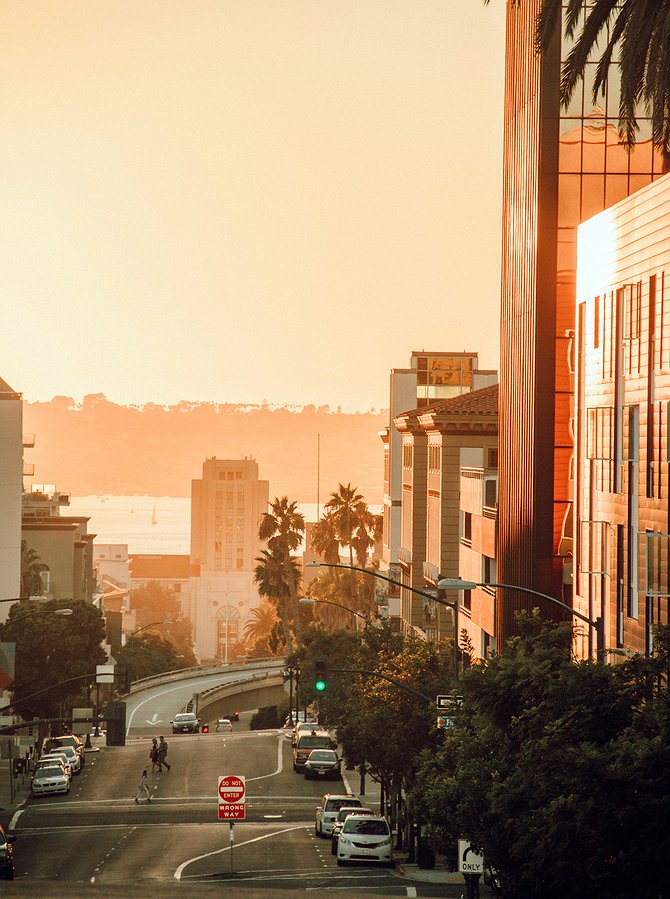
[11,486]
[226,507]
[622,561]
[561,166]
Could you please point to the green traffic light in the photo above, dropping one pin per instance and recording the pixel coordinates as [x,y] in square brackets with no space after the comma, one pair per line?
[320,686]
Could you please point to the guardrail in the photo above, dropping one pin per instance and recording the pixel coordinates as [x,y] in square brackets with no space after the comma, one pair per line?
[201,671]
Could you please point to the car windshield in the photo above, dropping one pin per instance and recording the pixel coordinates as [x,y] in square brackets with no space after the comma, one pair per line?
[349,810]
[183,718]
[310,742]
[355,824]
[334,805]
[322,755]
[50,771]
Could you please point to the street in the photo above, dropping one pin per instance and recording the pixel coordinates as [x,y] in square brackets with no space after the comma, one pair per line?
[97,840]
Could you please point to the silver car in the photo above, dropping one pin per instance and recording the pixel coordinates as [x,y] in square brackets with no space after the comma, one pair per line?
[50,779]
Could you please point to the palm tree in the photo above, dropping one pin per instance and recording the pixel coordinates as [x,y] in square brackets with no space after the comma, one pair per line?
[261,622]
[31,571]
[283,527]
[348,509]
[276,575]
[639,30]
[324,538]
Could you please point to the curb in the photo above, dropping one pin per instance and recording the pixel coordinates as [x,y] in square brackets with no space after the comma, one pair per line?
[428,875]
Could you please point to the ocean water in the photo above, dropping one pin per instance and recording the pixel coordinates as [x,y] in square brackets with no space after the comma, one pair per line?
[148,524]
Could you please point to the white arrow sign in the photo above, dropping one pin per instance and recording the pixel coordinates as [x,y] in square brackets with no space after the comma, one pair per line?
[154,720]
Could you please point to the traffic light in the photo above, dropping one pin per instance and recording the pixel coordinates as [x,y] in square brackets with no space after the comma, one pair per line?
[205,728]
[320,671]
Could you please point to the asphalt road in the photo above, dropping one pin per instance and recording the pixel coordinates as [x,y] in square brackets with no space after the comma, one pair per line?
[97,841]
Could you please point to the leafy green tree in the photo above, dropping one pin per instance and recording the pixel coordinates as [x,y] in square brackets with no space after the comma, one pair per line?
[325,538]
[632,31]
[557,771]
[31,571]
[154,603]
[144,655]
[260,625]
[54,654]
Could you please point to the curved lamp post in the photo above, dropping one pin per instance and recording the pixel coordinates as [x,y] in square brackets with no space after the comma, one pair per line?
[457,583]
[310,601]
[389,580]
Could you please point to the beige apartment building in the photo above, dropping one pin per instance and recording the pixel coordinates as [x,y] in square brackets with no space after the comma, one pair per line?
[226,507]
[439,442]
[430,376]
[62,543]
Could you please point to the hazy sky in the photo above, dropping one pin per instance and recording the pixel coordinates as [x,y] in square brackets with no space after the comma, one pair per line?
[237,200]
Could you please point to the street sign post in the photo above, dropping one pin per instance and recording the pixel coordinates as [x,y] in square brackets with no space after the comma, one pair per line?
[231,797]
[469,861]
[449,702]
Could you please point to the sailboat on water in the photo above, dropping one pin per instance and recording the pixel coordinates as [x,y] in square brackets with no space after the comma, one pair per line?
[153,515]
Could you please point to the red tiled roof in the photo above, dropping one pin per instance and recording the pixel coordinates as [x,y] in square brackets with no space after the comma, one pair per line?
[161,565]
[477,402]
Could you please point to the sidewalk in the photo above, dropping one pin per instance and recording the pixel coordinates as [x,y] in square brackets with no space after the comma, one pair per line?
[372,797]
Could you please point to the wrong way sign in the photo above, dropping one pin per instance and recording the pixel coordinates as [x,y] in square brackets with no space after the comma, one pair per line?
[231,797]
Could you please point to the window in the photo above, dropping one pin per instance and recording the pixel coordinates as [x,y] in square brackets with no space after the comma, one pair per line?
[631,433]
[467,528]
[593,549]
[631,311]
[407,453]
[467,600]
[490,493]
[600,432]
[489,570]
[596,322]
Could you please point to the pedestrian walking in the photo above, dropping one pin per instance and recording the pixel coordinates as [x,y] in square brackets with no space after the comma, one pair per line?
[162,752]
[153,754]
[143,788]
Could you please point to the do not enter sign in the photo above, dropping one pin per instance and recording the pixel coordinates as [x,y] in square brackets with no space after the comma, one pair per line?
[231,788]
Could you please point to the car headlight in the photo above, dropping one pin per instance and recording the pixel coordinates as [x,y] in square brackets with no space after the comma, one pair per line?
[385,842]
[345,841]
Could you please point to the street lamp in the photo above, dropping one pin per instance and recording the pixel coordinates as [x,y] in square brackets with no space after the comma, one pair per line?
[310,601]
[457,583]
[62,612]
[23,598]
[389,580]
[146,627]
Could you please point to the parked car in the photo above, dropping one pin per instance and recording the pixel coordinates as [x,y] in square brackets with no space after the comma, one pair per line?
[224,724]
[306,743]
[72,755]
[344,813]
[6,854]
[55,755]
[186,723]
[302,727]
[365,839]
[49,762]
[68,740]
[323,763]
[50,779]
[327,809]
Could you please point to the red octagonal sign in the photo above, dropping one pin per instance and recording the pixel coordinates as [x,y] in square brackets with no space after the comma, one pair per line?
[231,789]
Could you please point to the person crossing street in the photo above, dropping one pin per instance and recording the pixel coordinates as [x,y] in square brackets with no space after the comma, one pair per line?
[143,788]
[162,753]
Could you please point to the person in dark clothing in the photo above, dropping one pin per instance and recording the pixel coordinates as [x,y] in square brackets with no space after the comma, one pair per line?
[162,752]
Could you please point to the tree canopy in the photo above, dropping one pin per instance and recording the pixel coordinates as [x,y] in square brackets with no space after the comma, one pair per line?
[558,771]
[54,654]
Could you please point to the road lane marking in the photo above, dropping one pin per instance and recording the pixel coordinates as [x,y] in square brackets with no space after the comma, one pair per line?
[280,765]
[15,818]
[265,836]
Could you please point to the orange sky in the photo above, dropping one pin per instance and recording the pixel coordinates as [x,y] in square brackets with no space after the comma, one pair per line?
[242,200]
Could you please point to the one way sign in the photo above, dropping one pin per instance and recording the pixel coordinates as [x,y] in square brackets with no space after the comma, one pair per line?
[469,862]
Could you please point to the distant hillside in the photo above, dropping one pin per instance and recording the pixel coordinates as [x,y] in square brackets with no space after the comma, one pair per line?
[99,447]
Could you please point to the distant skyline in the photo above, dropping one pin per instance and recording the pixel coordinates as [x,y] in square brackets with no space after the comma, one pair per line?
[219,201]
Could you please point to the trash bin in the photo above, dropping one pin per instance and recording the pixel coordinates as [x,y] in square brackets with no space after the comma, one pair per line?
[425,855]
